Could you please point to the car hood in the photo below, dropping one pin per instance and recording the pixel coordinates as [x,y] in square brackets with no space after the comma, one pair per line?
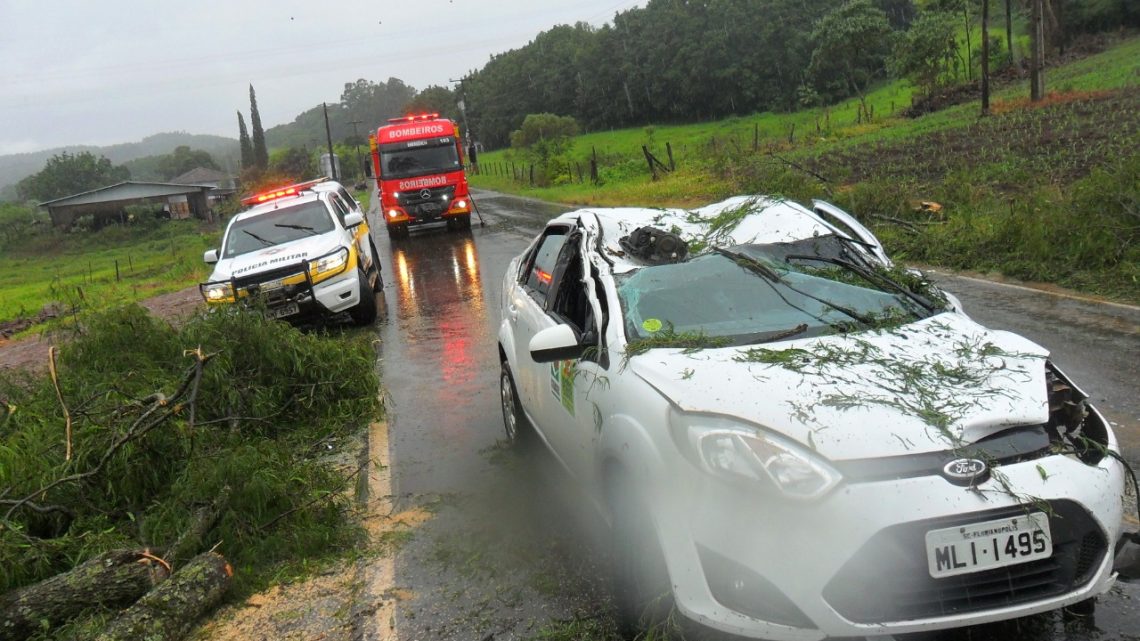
[927,386]
[276,256]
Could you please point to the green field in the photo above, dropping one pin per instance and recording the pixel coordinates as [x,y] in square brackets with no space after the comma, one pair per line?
[1041,192]
[78,269]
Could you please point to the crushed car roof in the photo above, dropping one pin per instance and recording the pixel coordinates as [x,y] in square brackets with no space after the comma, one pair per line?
[738,220]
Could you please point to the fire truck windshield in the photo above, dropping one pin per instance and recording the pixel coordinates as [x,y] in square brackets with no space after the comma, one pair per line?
[404,160]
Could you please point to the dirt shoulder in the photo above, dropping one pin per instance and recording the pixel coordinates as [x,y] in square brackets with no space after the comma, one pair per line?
[30,352]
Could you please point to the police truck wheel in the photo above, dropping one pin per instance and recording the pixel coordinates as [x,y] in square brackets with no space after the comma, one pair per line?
[365,311]
[378,286]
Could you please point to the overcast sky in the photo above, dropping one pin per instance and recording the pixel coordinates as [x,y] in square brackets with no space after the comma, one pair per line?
[111,71]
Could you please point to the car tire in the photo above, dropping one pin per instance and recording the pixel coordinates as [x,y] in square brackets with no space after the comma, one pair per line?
[643,594]
[364,313]
[378,286]
[515,424]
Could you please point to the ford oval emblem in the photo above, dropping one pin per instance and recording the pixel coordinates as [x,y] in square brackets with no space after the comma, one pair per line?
[966,471]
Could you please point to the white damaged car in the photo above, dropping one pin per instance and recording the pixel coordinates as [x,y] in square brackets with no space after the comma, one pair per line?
[793,438]
[303,251]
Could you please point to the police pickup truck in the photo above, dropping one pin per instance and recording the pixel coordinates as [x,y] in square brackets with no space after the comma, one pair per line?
[303,251]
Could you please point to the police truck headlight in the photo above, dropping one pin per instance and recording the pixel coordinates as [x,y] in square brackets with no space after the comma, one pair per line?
[217,292]
[329,263]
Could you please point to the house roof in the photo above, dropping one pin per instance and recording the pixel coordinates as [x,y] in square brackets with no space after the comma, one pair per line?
[200,175]
[129,190]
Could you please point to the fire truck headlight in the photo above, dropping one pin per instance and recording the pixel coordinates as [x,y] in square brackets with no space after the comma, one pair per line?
[392,213]
[460,204]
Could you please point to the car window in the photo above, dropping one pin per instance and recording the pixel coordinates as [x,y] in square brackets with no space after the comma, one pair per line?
[570,303]
[721,296]
[277,227]
[348,199]
[339,208]
[540,265]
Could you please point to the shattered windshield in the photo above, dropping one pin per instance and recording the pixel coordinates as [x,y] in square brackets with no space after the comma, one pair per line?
[762,293]
[277,227]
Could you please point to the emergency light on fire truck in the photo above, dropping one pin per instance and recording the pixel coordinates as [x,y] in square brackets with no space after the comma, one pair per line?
[413,118]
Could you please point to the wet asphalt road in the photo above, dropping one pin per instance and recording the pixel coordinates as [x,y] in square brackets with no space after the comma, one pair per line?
[512,553]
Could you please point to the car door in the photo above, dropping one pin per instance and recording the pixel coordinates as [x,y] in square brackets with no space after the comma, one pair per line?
[357,235]
[570,409]
[526,313]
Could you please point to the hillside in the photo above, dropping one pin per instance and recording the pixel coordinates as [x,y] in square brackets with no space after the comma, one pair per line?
[1042,192]
[14,167]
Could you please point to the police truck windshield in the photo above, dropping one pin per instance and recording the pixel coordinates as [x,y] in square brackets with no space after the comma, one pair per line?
[418,158]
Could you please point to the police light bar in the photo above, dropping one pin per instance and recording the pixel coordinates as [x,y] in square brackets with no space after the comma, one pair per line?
[291,190]
[413,118]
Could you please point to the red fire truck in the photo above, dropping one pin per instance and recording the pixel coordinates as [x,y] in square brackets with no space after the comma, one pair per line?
[418,165]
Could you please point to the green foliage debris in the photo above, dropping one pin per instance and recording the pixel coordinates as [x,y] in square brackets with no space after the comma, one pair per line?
[268,415]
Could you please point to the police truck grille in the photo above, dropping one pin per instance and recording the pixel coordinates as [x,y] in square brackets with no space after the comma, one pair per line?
[894,561]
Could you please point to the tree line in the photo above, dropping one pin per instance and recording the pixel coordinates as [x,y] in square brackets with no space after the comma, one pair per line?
[693,60]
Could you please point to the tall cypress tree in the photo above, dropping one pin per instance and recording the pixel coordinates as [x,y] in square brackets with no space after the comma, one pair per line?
[260,153]
[246,145]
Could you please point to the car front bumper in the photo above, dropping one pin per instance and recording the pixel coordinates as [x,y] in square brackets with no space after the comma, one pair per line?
[330,296]
[854,563]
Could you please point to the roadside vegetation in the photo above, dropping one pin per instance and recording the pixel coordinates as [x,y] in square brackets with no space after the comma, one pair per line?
[90,268]
[231,432]
[1043,191]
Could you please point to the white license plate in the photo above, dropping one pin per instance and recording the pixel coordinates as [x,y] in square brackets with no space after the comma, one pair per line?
[272,285]
[984,546]
[285,310]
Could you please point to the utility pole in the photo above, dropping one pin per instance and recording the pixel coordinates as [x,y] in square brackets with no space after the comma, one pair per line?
[328,138]
[1037,58]
[463,111]
[356,141]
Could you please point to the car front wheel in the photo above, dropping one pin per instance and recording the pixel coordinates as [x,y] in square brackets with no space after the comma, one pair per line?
[364,313]
[514,421]
[642,591]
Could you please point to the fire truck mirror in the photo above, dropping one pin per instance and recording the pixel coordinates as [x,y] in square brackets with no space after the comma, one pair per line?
[368,169]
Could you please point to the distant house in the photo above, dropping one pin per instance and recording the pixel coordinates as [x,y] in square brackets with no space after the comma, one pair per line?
[109,203]
[223,185]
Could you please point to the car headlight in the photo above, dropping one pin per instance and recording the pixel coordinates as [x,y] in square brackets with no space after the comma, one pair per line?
[217,292]
[739,452]
[329,263]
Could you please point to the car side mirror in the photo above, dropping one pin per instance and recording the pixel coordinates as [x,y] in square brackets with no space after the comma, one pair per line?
[353,219]
[368,168]
[558,343]
[211,256]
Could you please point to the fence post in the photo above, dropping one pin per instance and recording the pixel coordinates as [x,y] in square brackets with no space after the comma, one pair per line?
[669,150]
[532,174]
[649,160]
[579,166]
[594,165]
[117,279]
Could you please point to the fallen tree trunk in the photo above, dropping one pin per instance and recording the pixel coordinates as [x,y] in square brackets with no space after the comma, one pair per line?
[167,612]
[112,580]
